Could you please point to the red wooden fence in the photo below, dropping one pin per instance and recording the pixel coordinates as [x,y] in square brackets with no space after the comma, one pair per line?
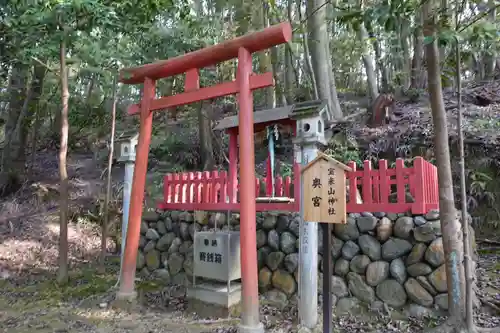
[386,190]
[382,190]
[212,191]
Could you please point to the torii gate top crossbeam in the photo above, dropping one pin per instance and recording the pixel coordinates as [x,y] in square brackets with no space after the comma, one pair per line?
[254,42]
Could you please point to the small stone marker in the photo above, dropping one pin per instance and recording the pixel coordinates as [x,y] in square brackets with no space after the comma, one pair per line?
[324,190]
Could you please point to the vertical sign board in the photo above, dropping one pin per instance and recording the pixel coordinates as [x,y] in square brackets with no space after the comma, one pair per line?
[324,191]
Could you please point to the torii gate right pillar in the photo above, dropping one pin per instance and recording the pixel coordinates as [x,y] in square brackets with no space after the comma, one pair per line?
[248,232]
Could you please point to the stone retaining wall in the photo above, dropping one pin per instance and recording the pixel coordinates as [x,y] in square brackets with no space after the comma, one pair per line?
[394,258]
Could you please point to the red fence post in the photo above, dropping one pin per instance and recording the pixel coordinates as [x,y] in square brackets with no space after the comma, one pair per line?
[400,178]
[367,183]
[353,184]
[269,178]
[296,186]
[233,166]
[419,184]
[286,187]
[432,188]
[205,178]
[384,182]
[198,188]
[167,188]
[215,187]
[278,188]
[177,188]
[182,187]
[191,188]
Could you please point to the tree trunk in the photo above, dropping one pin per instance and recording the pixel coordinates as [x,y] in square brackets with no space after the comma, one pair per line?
[265,64]
[320,54]
[279,87]
[333,26]
[291,73]
[204,121]
[469,275]
[18,88]
[371,77]
[489,58]
[384,70]
[405,26]
[62,274]
[279,93]
[418,53]
[477,67]
[337,110]
[28,112]
[243,17]
[18,137]
[90,88]
[198,6]
[34,137]
[307,54]
[381,70]
[450,226]
[12,161]
[105,222]
[206,138]
[56,127]
[397,59]
[332,8]
[445,23]
[168,90]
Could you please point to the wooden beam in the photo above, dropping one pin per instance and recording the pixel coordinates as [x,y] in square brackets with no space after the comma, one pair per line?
[223,89]
[253,42]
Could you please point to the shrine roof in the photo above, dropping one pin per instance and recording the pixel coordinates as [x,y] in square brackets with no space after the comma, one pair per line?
[259,117]
[127,135]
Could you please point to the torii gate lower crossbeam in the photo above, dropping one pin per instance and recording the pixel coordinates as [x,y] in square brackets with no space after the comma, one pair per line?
[246,81]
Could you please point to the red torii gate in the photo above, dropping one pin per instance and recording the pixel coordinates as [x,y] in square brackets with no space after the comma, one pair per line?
[246,81]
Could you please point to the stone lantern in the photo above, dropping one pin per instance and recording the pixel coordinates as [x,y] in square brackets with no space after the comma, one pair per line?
[127,146]
[311,118]
[127,143]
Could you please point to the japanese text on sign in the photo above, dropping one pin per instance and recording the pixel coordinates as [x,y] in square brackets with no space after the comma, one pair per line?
[207,242]
[304,238]
[316,183]
[331,191]
[211,257]
[324,186]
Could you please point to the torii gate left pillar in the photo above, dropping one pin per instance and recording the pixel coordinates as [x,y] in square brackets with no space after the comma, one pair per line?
[246,81]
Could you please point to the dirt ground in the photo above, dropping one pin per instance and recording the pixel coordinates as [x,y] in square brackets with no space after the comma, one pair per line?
[30,301]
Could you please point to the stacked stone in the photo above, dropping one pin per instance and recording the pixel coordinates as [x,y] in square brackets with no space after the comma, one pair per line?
[393,258]
[166,242]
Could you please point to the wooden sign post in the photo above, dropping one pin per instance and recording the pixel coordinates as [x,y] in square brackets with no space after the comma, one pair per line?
[324,190]
[324,195]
